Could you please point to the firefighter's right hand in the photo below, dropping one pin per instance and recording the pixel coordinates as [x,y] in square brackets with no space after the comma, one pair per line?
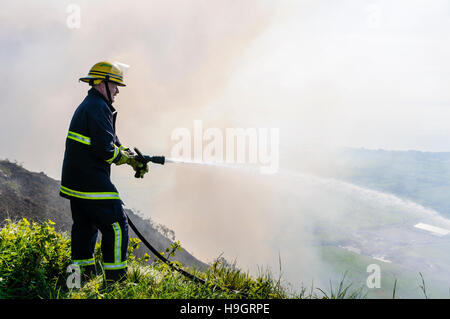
[125,158]
[129,158]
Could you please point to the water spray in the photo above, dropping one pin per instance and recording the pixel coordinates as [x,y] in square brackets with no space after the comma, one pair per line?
[144,159]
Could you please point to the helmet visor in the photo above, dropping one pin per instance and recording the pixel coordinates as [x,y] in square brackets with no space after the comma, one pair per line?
[123,69]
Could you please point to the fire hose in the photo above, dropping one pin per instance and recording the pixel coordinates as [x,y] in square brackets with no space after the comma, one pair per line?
[144,159]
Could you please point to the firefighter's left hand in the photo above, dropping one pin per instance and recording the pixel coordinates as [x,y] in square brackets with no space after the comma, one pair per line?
[138,167]
[142,170]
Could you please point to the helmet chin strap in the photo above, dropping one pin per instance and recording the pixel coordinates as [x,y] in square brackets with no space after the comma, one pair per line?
[108,93]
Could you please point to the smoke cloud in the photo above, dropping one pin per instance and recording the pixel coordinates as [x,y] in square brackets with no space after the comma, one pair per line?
[371,74]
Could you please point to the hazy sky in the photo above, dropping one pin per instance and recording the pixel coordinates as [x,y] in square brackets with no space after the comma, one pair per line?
[373,74]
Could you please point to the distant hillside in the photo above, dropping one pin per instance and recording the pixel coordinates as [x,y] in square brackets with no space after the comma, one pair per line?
[35,196]
[423,177]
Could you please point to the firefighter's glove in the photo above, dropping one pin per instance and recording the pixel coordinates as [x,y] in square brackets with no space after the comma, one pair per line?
[125,157]
[141,169]
[128,157]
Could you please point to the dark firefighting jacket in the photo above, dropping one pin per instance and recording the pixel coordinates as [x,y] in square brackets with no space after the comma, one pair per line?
[92,146]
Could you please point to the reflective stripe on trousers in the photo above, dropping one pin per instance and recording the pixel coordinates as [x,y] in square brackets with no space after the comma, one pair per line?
[117,264]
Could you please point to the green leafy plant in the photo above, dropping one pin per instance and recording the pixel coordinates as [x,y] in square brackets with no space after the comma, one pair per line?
[33,259]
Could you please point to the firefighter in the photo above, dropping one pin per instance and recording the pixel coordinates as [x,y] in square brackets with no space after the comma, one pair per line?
[91,148]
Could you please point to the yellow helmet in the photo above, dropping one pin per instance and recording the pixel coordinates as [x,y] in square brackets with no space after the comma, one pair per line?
[104,71]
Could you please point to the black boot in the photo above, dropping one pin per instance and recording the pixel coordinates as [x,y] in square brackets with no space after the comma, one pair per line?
[118,275]
[88,273]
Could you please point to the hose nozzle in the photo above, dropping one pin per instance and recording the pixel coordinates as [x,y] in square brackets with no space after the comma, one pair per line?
[144,159]
[157,159]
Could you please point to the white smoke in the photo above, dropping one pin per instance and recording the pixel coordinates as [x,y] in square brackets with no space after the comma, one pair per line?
[369,73]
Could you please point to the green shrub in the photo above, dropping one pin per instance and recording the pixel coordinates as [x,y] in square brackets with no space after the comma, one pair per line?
[33,259]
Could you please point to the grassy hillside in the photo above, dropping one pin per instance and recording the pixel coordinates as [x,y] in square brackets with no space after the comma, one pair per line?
[34,259]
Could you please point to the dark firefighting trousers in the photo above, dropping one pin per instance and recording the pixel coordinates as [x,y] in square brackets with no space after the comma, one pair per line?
[88,218]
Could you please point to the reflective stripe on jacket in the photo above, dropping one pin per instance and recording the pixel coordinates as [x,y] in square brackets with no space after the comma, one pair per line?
[91,147]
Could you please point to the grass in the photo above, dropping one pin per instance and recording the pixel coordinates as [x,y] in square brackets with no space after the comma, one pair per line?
[34,260]
[343,291]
